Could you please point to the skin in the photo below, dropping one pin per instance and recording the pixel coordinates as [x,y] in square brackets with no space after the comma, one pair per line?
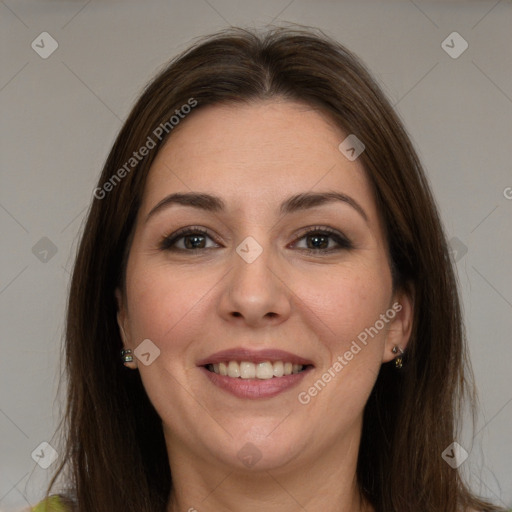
[193,304]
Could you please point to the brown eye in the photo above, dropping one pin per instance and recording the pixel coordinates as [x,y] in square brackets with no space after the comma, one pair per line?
[323,240]
[187,239]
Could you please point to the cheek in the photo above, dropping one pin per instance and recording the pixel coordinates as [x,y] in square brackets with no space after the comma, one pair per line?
[166,305]
[150,304]
[347,309]
[345,301]
[344,309]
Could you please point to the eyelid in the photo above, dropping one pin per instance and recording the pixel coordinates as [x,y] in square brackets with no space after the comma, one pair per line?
[315,228]
[343,241]
[167,241]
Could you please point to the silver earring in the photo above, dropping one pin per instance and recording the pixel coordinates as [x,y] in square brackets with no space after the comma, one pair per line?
[126,355]
[399,362]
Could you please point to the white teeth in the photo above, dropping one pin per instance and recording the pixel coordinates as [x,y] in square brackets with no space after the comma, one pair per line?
[233,369]
[264,370]
[278,369]
[248,370]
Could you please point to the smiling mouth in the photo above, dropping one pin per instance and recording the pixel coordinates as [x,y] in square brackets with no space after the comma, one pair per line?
[263,371]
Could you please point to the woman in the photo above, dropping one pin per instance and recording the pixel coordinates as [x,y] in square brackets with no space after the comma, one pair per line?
[264,255]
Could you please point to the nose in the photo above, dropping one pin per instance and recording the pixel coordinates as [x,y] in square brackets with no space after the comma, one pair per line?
[256,293]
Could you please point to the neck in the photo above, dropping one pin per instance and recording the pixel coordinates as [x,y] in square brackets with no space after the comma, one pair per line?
[326,482]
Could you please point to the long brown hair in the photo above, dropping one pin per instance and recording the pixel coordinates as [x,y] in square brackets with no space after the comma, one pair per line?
[115,458]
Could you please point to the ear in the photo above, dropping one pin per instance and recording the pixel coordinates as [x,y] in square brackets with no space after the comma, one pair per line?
[400,327]
[122,322]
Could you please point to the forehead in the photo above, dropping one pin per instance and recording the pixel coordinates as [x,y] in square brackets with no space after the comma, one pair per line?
[256,153]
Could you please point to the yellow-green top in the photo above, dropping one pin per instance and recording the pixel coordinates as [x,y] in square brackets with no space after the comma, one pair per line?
[52,504]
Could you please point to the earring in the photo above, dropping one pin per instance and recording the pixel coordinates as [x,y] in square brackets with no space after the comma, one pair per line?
[398,360]
[126,355]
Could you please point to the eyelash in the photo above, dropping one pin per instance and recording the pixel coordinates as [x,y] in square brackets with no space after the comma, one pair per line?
[168,241]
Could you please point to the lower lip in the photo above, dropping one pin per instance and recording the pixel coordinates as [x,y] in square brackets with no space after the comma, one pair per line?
[255,388]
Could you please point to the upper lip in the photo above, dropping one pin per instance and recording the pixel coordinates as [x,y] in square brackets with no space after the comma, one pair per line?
[254,356]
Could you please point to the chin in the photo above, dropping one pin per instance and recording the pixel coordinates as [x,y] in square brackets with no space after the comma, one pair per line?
[261,452]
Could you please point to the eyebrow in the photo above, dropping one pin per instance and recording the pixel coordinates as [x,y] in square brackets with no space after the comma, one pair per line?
[298,202]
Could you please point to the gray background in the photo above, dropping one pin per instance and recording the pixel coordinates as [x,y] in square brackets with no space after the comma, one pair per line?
[59,117]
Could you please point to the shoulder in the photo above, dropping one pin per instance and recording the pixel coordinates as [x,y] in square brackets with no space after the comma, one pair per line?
[51,504]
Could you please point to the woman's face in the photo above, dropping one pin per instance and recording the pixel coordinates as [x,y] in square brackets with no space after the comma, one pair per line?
[248,284]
